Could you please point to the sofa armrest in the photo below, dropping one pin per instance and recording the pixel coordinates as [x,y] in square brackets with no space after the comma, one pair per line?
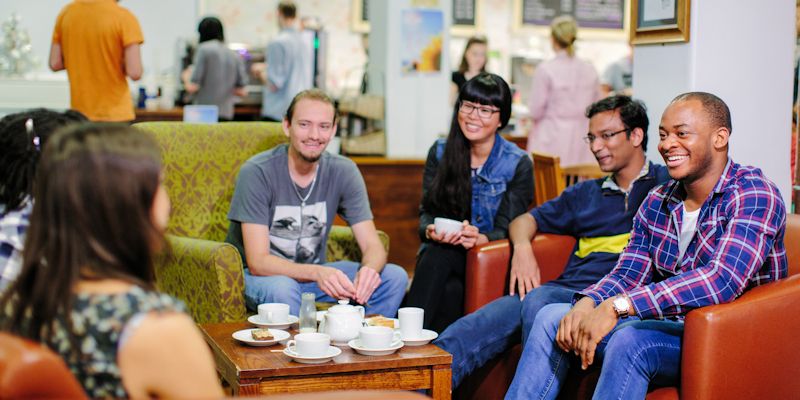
[206,275]
[342,244]
[488,265]
[747,348]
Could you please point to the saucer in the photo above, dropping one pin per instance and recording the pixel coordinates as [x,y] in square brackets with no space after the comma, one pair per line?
[425,338]
[246,337]
[255,320]
[356,345]
[332,352]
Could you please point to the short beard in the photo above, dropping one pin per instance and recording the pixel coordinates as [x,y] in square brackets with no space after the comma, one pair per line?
[310,159]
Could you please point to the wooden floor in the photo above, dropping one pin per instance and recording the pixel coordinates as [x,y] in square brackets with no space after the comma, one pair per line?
[394,187]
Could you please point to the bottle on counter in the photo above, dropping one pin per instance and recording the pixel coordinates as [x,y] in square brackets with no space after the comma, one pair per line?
[308,313]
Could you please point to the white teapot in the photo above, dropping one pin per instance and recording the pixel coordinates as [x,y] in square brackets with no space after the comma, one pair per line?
[342,322]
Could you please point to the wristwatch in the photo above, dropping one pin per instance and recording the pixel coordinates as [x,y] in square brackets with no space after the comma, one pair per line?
[622,306]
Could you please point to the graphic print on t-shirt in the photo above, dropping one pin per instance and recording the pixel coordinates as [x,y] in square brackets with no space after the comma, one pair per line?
[298,237]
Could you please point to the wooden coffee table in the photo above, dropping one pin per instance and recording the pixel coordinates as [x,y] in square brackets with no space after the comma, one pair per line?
[263,370]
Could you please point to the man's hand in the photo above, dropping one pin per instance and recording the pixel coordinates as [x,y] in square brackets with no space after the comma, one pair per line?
[446,238]
[567,336]
[524,270]
[593,328]
[367,280]
[335,283]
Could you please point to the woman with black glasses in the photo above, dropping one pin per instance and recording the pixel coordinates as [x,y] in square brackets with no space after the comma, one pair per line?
[474,176]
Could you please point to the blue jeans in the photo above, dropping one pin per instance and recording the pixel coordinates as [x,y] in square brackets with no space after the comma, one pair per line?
[281,289]
[477,338]
[635,354]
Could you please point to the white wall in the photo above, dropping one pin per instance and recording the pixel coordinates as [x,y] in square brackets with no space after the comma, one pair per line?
[417,105]
[742,51]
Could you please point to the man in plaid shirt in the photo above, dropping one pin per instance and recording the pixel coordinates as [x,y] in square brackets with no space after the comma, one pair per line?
[703,238]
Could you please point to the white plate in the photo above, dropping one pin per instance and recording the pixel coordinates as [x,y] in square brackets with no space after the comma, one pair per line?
[424,338]
[245,336]
[255,320]
[356,345]
[332,352]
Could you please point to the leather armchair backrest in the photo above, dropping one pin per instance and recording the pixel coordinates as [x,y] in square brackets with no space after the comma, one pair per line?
[792,242]
[29,370]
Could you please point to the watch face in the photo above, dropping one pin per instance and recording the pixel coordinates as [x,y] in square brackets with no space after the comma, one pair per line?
[621,305]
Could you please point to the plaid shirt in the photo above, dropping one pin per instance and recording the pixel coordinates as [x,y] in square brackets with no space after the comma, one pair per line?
[12,237]
[738,245]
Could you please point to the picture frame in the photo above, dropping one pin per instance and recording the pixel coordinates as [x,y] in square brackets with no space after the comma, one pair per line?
[600,20]
[359,16]
[659,21]
[468,25]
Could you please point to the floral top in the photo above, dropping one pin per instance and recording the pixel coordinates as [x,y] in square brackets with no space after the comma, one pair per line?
[102,322]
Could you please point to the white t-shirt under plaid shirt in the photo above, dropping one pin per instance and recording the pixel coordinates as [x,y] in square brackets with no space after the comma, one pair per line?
[13,225]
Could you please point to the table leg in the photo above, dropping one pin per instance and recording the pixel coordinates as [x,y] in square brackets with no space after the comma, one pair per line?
[442,380]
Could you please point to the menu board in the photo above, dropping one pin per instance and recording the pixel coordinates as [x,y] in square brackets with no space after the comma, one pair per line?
[464,12]
[604,14]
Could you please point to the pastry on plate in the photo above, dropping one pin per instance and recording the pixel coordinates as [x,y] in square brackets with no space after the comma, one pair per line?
[262,334]
[380,320]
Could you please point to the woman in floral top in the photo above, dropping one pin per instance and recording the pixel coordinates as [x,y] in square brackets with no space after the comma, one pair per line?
[85,287]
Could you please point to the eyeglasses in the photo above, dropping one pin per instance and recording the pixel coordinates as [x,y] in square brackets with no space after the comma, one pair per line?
[483,112]
[606,136]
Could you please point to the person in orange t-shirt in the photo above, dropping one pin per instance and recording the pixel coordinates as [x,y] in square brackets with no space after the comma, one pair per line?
[97,42]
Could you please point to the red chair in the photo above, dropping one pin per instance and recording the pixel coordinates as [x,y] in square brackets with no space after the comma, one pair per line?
[29,370]
[745,349]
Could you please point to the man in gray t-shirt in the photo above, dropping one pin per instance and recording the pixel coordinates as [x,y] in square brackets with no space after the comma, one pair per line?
[282,210]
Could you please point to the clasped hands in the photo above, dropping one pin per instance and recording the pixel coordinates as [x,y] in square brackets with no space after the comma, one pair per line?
[584,326]
[468,236]
[337,285]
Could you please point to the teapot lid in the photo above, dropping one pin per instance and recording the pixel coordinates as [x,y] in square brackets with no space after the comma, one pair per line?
[342,307]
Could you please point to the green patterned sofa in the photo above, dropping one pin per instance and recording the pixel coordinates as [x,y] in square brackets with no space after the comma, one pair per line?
[201,162]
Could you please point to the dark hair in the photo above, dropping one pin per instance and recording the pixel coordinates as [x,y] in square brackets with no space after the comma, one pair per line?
[91,220]
[633,113]
[473,40]
[311,94]
[450,193]
[718,111]
[287,9]
[210,28]
[20,155]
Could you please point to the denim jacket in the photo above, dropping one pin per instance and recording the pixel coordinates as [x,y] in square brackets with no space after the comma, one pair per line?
[501,190]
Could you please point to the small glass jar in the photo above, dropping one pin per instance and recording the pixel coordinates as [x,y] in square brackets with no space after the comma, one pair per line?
[308,313]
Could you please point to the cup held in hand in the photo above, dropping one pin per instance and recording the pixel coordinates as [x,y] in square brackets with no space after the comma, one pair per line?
[446,225]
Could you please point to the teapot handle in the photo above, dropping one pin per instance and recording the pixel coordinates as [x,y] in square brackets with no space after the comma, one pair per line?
[360,311]
[323,323]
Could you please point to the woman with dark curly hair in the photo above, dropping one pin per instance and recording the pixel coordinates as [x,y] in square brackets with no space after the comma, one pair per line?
[22,136]
[474,176]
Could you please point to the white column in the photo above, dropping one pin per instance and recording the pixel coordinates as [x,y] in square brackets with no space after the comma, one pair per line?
[417,105]
[742,51]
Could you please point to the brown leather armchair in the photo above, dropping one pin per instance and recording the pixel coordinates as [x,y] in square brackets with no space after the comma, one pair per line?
[746,349]
[29,370]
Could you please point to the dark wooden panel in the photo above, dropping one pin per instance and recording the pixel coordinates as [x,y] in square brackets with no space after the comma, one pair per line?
[394,187]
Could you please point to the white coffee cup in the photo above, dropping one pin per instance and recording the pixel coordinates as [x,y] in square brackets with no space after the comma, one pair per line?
[447,225]
[312,344]
[410,322]
[273,313]
[377,337]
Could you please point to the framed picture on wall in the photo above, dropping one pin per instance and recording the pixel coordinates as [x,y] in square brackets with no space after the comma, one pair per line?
[659,21]
[598,19]
[359,16]
[466,16]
